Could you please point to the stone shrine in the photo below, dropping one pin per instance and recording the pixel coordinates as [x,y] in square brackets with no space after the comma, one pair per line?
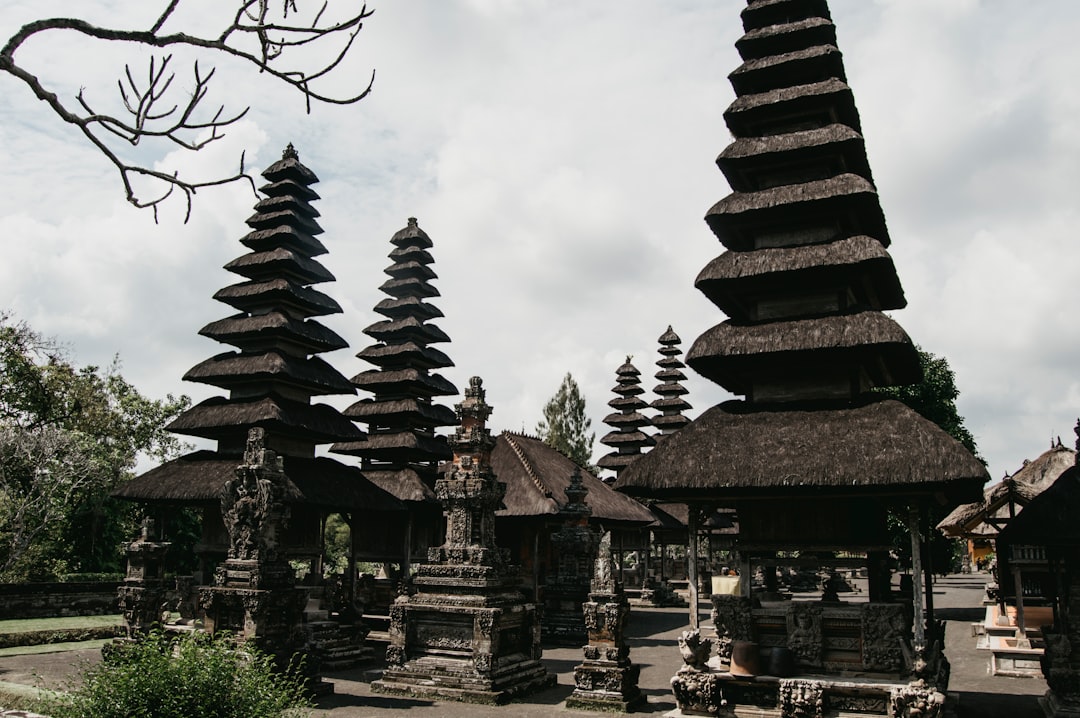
[254,593]
[467,633]
[574,546]
[606,680]
[142,595]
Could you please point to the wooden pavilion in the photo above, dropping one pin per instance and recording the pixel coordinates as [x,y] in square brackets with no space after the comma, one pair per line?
[1046,533]
[812,458]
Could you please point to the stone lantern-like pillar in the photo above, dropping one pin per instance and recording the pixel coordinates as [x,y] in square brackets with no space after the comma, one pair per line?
[606,680]
[141,597]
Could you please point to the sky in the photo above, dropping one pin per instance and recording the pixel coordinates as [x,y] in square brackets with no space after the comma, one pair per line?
[560,154]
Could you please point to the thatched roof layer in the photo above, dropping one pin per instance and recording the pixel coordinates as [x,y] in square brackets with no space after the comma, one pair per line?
[410,411]
[536,476]
[280,262]
[260,330]
[762,13]
[786,37]
[409,353]
[284,218]
[219,417]
[232,369]
[287,201]
[408,307]
[1050,519]
[756,114]
[403,484]
[397,446]
[199,478]
[411,382]
[253,295]
[800,67]
[733,452]
[284,236]
[406,329]
[289,187]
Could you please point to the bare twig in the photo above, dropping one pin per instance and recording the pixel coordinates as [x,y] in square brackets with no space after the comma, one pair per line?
[152,109]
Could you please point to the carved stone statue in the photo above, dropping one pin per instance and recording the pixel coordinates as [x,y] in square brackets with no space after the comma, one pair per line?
[695,650]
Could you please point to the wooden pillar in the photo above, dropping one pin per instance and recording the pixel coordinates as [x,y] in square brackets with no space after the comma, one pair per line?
[406,559]
[350,520]
[536,564]
[928,569]
[691,563]
[1018,582]
[916,582]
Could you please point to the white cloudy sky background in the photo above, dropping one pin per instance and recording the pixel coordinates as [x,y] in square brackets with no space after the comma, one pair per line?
[560,154]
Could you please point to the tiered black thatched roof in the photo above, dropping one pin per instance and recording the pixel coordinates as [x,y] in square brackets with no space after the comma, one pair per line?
[273,376]
[804,281]
[401,450]
[627,439]
[537,477]
[670,391]
[1050,520]
[275,372]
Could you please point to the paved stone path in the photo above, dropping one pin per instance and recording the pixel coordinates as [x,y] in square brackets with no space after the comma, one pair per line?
[652,634]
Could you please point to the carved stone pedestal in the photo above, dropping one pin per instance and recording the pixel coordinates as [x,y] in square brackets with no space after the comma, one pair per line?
[141,597]
[606,680]
[467,633]
[574,546]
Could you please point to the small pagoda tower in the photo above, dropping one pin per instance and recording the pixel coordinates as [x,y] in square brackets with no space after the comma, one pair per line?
[670,391]
[574,547]
[626,439]
[467,633]
[401,451]
[811,458]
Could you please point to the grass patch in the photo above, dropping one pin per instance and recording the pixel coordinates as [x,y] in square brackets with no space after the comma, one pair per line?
[27,625]
[52,647]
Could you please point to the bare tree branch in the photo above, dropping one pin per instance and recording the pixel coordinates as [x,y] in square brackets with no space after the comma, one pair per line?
[257,35]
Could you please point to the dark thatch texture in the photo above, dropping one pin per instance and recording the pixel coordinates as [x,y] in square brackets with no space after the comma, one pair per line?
[231,369]
[243,330]
[859,265]
[256,295]
[200,476]
[801,67]
[1052,519]
[786,37]
[847,202]
[878,446]
[403,484]
[289,237]
[289,186]
[287,201]
[1019,489]
[754,114]
[219,417]
[280,262]
[536,477]
[753,163]
[409,353]
[731,354]
[762,13]
[408,307]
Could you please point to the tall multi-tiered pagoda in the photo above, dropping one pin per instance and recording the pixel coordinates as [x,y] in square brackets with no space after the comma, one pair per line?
[270,380]
[811,457]
[670,391]
[401,451]
[626,438]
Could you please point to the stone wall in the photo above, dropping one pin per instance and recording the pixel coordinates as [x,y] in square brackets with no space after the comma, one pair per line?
[49,600]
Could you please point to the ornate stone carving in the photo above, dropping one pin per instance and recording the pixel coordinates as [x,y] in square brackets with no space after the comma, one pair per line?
[886,630]
[695,650]
[252,504]
[697,692]
[801,698]
[733,621]
[804,632]
[916,700]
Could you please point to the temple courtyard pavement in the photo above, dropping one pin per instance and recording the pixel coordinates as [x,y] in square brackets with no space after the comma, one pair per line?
[653,633]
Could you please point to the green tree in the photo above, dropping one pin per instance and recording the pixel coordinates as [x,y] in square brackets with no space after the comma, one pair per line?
[68,436]
[935,399]
[565,426]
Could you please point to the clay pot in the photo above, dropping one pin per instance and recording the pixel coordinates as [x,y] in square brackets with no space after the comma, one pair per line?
[745,658]
[781,662]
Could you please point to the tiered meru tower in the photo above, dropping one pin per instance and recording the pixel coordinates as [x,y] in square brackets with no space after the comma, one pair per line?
[401,451]
[811,457]
[276,372]
[467,633]
[627,439]
[670,391]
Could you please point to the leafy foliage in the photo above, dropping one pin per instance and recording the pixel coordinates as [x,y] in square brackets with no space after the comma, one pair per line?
[197,675]
[935,399]
[68,436]
[565,426]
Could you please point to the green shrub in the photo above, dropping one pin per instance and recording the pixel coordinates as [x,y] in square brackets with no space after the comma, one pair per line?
[158,677]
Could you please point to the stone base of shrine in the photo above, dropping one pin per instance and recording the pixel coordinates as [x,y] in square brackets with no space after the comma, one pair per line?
[725,695]
[1054,707]
[606,686]
[456,679]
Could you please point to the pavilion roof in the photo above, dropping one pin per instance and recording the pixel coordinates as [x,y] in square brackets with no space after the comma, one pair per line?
[536,476]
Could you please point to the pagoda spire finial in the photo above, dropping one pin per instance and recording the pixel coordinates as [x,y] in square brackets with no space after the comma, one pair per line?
[290,153]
